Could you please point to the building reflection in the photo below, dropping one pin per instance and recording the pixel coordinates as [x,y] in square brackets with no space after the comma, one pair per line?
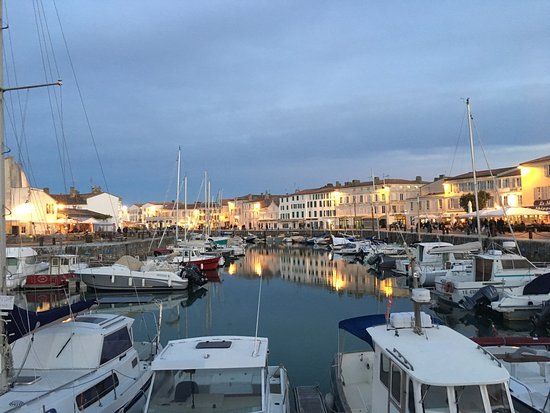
[314,267]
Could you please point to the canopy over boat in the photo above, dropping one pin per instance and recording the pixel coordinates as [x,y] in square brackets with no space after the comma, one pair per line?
[462,248]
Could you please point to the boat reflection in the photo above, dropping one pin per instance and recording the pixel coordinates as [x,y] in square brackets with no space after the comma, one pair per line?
[314,267]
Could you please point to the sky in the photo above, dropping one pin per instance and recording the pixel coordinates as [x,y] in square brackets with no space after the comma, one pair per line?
[272,95]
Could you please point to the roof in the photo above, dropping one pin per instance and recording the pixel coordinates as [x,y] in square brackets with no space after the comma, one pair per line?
[20,252]
[441,356]
[84,213]
[244,352]
[537,160]
[508,171]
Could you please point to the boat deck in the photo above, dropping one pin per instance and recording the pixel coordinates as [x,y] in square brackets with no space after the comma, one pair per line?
[309,400]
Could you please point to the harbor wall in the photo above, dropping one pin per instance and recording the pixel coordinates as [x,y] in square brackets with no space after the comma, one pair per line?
[536,250]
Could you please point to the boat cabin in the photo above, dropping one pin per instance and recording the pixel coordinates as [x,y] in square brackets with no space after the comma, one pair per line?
[17,257]
[206,374]
[439,370]
[63,264]
[496,264]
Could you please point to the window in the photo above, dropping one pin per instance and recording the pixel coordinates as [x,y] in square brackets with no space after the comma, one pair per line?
[514,264]
[385,370]
[115,344]
[410,392]
[468,399]
[396,383]
[435,397]
[483,268]
[498,398]
[98,391]
[547,170]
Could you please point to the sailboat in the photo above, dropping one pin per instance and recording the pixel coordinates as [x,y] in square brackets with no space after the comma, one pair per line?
[88,364]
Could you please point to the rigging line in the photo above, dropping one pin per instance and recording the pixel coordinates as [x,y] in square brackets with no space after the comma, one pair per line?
[36,18]
[496,187]
[58,101]
[458,141]
[81,97]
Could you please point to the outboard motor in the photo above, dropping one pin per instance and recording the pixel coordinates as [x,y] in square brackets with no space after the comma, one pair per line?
[481,298]
[375,259]
[194,275]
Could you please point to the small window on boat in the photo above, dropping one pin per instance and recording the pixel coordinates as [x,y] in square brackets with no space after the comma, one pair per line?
[435,397]
[55,262]
[12,262]
[385,370]
[97,392]
[213,344]
[396,383]
[30,260]
[484,268]
[516,264]
[115,344]
[498,398]
[468,399]
[410,391]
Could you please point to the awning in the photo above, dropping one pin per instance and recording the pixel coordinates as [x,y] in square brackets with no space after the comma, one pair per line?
[510,212]
[358,325]
[467,247]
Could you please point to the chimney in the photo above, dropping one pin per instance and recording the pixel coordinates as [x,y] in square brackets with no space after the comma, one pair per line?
[355,181]
[73,191]
[376,180]
[46,190]
[418,178]
[96,190]
[338,184]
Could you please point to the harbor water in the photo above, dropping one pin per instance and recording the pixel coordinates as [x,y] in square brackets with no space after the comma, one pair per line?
[304,293]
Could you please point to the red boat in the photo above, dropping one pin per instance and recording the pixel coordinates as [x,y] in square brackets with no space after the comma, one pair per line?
[191,256]
[59,274]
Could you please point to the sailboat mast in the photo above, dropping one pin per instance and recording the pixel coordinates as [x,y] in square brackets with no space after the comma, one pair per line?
[178,196]
[4,355]
[473,158]
[186,221]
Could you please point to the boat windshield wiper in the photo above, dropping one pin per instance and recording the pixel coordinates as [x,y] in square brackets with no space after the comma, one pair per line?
[64,345]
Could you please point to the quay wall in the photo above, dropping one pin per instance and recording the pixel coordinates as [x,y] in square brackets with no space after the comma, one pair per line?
[536,250]
[106,251]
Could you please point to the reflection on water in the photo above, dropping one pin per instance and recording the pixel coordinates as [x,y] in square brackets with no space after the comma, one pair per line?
[304,294]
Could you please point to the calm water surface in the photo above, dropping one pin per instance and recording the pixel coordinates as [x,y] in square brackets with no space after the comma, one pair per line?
[305,292]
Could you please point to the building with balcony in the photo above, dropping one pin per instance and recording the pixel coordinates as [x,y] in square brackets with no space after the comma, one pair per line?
[535,180]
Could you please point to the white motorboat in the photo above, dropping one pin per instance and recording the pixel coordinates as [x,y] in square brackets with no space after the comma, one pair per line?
[128,273]
[528,362]
[20,262]
[217,374]
[89,364]
[424,259]
[523,306]
[415,365]
[505,271]
[191,256]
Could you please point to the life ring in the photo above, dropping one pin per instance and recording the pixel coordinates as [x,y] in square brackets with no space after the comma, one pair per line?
[41,279]
[449,287]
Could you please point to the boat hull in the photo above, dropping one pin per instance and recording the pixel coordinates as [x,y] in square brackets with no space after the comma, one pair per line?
[48,280]
[206,264]
[124,283]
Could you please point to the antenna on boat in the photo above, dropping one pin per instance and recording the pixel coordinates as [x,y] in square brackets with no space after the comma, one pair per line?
[473,159]
[6,301]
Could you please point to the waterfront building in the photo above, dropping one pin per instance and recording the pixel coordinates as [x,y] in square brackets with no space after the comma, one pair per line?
[375,204]
[252,211]
[535,179]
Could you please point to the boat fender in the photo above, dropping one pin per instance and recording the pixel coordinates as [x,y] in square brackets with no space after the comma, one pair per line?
[449,287]
[329,401]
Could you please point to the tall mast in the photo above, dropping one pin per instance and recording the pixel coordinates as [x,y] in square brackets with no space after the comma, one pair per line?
[205,201]
[373,198]
[186,221]
[473,158]
[4,346]
[178,197]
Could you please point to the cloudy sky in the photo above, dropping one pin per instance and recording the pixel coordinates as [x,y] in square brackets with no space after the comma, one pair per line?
[273,95]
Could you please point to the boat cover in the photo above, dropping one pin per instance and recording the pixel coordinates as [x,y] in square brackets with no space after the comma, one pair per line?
[358,325]
[461,248]
[540,285]
[21,322]
[131,262]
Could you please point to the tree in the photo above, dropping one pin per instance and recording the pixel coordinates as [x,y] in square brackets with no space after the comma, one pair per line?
[482,197]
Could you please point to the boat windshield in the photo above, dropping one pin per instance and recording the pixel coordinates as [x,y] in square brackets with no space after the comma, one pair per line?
[434,399]
[12,262]
[207,391]
[468,399]
[498,397]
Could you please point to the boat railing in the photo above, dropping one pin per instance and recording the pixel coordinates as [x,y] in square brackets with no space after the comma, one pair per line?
[401,358]
[528,390]
[491,356]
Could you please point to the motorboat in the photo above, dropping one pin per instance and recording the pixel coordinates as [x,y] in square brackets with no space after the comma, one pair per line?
[217,374]
[191,256]
[505,271]
[338,243]
[528,361]
[416,365]
[250,238]
[89,364]
[21,262]
[522,306]
[60,271]
[424,259]
[128,273]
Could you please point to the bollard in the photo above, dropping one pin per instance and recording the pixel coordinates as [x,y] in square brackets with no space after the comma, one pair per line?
[530,233]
